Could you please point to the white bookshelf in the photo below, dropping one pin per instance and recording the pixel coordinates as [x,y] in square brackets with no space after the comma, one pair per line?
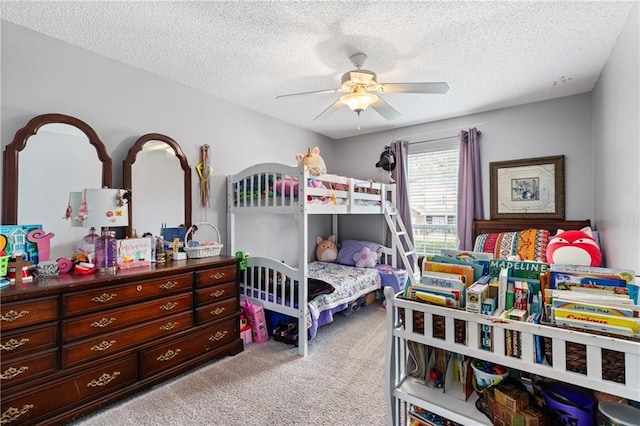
[402,389]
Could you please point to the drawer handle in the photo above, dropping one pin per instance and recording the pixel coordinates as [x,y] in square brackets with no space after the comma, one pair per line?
[217,275]
[103,346]
[219,335]
[217,311]
[168,326]
[13,344]
[217,293]
[168,306]
[13,315]
[12,413]
[104,298]
[12,372]
[169,355]
[103,380]
[169,285]
[139,288]
[102,323]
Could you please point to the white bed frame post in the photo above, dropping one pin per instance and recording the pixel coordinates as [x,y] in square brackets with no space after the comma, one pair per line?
[303,260]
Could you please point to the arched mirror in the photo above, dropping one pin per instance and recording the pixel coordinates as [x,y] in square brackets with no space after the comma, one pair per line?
[158,174]
[54,154]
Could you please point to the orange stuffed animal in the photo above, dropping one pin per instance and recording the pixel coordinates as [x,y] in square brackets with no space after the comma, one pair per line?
[326,250]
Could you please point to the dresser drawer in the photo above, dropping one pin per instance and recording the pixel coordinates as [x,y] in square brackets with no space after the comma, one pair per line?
[216,311]
[29,312]
[90,301]
[110,343]
[28,340]
[88,385]
[219,275]
[116,319]
[17,370]
[215,293]
[170,354]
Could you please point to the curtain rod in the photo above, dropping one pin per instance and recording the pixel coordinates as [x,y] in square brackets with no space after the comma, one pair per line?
[437,139]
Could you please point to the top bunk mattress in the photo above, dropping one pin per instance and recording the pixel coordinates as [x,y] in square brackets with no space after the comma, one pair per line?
[274,186]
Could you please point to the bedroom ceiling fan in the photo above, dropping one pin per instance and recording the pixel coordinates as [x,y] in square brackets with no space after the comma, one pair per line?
[358,85]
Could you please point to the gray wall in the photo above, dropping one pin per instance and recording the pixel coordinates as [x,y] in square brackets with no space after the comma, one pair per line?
[616,137]
[44,75]
[556,127]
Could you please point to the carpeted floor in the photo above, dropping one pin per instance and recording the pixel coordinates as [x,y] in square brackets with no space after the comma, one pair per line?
[340,382]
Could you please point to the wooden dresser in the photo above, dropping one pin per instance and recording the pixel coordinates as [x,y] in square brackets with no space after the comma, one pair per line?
[73,344]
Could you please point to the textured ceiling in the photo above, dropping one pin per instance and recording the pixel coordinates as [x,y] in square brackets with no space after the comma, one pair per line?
[492,54]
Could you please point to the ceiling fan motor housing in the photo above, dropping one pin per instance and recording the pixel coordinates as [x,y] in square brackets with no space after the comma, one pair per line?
[358,77]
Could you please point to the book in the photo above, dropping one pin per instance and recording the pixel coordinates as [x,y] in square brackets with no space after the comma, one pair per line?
[464,270]
[443,279]
[518,269]
[477,268]
[557,279]
[593,271]
[568,322]
[503,281]
[593,308]
[608,320]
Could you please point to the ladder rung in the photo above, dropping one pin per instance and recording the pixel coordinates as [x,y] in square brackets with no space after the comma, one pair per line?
[409,253]
[400,233]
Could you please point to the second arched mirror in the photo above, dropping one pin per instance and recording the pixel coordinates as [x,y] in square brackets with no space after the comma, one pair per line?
[158,174]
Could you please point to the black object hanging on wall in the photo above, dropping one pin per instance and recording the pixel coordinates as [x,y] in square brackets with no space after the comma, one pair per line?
[387,160]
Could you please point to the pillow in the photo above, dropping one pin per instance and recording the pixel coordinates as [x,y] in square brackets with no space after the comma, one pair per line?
[350,247]
[529,244]
[365,258]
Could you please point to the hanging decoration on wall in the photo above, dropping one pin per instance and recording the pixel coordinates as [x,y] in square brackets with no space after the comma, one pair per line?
[204,171]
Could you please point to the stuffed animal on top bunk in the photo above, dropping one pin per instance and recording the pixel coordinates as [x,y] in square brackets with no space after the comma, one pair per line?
[574,248]
[313,161]
[326,250]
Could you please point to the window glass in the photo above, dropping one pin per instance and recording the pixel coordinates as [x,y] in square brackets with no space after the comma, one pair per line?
[433,186]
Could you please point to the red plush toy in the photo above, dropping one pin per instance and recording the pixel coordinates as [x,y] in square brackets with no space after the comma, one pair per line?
[574,248]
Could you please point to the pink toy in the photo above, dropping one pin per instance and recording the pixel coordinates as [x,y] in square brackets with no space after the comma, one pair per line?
[326,250]
[574,248]
[365,258]
[287,183]
[255,316]
[43,241]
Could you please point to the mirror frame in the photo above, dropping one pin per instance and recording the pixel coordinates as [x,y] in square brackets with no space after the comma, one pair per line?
[11,156]
[131,159]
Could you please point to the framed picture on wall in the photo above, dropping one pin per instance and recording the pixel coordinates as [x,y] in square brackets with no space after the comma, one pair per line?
[530,188]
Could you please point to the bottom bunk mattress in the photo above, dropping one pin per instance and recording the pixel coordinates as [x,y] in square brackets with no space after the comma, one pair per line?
[334,287]
[350,283]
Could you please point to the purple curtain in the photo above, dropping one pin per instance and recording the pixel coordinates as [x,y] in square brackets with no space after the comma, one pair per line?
[400,176]
[469,187]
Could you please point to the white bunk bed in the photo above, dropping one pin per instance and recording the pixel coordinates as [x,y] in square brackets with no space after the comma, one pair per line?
[256,191]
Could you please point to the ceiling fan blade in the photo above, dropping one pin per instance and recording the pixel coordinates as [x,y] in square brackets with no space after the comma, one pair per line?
[330,110]
[384,109]
[430,88]
[309,93]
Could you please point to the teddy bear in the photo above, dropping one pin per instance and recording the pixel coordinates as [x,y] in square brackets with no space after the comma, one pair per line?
[574,248]
[313,161]
[326,250]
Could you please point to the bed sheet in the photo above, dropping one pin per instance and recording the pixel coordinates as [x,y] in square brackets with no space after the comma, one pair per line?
[349,282]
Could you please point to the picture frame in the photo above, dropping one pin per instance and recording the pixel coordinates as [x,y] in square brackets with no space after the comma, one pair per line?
[531,188]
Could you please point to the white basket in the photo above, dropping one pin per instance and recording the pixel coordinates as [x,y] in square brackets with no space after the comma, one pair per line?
[204,249]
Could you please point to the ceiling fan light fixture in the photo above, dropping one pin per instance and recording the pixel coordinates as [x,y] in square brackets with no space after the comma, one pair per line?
[358,102]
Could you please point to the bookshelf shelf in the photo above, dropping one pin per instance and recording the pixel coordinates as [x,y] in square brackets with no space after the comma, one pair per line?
[403,389]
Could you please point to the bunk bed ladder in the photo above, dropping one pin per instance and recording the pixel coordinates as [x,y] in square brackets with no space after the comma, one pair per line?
[403,243]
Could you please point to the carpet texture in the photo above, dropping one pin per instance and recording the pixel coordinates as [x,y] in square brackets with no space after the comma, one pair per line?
[340,382]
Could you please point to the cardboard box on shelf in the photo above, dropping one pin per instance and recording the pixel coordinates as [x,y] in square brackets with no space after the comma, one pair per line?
[511,396]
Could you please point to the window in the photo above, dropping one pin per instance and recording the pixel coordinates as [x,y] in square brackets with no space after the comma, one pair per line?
[433,195]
